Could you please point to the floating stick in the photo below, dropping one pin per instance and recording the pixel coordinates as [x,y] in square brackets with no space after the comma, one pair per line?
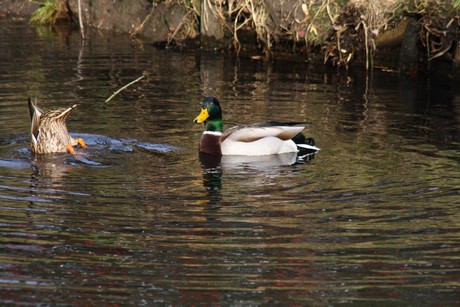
[124,87]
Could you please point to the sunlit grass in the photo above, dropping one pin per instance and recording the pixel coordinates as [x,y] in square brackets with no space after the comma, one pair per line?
[49,12]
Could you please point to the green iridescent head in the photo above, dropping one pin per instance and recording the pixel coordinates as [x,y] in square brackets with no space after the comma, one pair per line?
[210,115]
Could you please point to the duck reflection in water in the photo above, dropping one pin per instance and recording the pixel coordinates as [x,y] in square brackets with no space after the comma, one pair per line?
[50,168]
[212,179]
[214,167]
[49,174]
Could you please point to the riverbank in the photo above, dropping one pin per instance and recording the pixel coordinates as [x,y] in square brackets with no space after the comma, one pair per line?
[412,38]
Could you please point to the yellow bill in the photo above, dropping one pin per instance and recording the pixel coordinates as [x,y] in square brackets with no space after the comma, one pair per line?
[202,117]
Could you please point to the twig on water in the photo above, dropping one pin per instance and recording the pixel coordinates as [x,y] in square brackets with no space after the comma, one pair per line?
[124,87]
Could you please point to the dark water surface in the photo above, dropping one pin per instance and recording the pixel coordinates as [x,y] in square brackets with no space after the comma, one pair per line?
[140,218]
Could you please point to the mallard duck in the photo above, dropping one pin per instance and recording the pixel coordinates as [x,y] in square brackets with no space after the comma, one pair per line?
[265,138]
[49,131]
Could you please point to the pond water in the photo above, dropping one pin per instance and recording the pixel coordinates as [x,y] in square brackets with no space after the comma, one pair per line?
[139,217]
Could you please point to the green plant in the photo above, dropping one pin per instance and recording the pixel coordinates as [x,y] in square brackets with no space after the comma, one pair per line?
[49,12]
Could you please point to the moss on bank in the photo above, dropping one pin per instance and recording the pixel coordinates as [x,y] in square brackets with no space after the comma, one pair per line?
[50,12]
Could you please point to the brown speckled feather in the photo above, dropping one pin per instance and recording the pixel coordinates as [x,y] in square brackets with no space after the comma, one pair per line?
[48,130]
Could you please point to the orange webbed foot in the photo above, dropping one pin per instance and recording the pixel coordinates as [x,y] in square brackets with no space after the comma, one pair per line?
[70,149]
[82,143]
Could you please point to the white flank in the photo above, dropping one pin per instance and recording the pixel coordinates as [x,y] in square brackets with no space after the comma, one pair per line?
[266,146]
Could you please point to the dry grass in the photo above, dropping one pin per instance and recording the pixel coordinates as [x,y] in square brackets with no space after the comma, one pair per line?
[189,26]
[440,26]
[236,15]
[342,28]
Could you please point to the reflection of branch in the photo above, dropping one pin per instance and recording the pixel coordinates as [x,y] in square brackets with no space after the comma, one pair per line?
[80,19]
[124,87]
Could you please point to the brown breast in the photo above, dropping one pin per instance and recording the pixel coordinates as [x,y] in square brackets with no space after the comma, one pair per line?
[210,144]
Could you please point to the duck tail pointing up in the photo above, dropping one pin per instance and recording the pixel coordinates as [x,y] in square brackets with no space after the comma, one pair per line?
[65,113]
[35,116]
[34,109]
